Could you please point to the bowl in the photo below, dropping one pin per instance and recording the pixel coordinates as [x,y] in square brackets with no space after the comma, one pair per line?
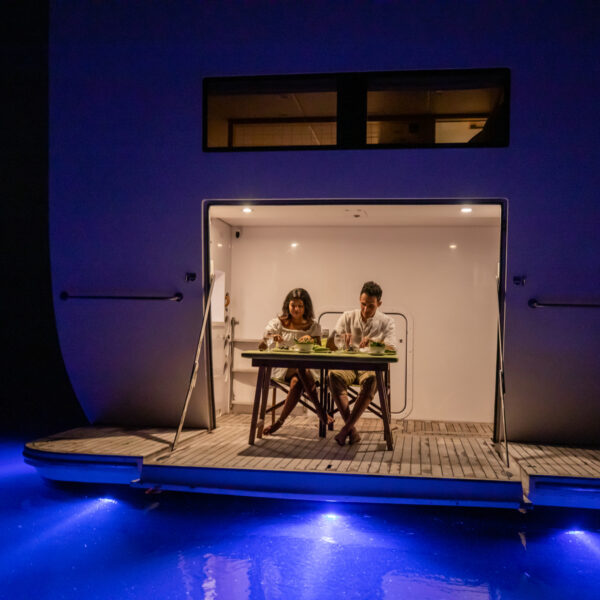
[305,346]
[376,349]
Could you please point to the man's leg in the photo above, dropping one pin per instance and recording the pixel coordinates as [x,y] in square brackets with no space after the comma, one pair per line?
[368,386]
[338,385]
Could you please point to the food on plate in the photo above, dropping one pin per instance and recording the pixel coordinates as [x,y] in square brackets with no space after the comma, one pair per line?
[374,344]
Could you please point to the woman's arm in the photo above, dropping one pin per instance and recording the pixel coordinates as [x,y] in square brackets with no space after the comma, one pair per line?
[273,328]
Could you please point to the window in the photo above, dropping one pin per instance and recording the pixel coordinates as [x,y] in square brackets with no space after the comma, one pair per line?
[407,109]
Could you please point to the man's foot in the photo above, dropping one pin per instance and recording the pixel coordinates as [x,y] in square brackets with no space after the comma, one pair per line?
[340,438]
[354,436]
[273,428]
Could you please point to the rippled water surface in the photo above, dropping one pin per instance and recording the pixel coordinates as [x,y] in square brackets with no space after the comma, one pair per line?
[79,542]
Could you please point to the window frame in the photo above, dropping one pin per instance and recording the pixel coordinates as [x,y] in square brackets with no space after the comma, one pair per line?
[352,116]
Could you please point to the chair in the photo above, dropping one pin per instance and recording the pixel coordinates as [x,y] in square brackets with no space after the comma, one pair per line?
[283,386]
[353,390]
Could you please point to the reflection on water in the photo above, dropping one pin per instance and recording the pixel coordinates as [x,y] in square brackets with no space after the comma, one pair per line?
[117,542]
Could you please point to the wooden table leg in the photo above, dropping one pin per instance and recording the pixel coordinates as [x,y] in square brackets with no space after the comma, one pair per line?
[321,412]
[256,405]
[385,411]
[265,399]
[322,426]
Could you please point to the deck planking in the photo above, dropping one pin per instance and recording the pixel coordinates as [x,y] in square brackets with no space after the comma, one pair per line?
[435,450]
[112,441]
[421,449]
[557,461]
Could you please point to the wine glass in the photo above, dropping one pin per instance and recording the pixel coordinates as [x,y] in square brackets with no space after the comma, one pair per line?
[339,341]
[270,341]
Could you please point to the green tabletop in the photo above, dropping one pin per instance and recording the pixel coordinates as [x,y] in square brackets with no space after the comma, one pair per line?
[323,359]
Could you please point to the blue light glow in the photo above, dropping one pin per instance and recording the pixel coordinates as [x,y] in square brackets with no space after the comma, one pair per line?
[117,542]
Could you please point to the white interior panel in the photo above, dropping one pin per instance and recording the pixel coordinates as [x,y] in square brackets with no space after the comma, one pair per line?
[449,294]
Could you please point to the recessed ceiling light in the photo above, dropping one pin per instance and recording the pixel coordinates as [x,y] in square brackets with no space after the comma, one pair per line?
[452,246]
[220,245]
[246,209]
[294,244]
[466,209]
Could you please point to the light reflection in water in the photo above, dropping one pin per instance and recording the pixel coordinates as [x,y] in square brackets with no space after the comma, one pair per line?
[115,542]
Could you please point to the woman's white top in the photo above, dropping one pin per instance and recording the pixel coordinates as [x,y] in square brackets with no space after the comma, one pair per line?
[289,336]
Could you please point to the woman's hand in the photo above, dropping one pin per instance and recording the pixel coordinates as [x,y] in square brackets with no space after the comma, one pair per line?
[305,339]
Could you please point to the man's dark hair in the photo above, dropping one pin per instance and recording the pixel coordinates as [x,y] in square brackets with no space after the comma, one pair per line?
[372,289]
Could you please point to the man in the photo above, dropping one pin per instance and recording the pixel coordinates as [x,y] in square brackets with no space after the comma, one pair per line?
[359,327]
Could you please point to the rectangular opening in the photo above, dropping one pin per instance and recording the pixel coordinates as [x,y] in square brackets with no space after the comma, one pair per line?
[406,109]
[440,269]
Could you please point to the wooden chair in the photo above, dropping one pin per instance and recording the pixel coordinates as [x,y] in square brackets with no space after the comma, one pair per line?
[277,384]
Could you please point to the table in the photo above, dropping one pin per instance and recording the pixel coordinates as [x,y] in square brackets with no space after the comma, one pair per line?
[324,361]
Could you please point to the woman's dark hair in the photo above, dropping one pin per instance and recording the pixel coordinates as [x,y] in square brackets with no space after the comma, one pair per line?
[297,294]
[370,288]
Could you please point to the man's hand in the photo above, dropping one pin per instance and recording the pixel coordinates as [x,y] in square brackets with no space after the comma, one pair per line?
[364,342]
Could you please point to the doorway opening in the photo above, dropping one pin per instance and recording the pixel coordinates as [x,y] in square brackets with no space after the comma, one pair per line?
[441,266]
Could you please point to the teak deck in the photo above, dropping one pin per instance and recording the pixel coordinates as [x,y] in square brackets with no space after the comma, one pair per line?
[432,462]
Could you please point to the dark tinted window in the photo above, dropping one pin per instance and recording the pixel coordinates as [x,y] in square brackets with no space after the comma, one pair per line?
[358,110]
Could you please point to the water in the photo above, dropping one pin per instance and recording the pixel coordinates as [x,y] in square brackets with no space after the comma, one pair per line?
[73,541]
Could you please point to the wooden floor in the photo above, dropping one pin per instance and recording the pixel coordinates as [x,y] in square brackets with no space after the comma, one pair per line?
[448,450]
[557,461]
[110,441]
[442,452]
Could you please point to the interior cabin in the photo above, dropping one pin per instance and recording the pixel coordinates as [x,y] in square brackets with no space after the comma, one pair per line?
[448,153]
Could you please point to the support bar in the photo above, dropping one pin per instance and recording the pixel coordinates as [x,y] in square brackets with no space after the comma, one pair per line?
[177,297]
[533,303]
[195,367]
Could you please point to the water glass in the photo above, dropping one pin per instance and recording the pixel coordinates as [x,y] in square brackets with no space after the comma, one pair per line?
[269,341]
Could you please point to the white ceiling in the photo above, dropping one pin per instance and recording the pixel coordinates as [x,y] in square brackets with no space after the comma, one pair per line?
[366,215]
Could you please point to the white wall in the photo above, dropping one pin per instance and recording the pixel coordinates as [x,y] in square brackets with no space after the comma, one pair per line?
[128,175]
[220,257]
[450,295]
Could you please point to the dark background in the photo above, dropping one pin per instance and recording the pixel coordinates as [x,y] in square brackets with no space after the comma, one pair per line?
[37,397]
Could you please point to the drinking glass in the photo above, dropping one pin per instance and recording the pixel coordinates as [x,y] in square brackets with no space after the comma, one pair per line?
[269,341]
[338,340]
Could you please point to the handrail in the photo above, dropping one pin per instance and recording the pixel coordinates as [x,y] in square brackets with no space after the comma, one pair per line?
[194,374]
[533,303]
[176,297]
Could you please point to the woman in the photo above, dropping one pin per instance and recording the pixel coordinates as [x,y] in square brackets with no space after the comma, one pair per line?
[296,321]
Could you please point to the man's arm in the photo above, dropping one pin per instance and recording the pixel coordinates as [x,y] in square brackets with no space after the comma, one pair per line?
[390,339]
[340,327]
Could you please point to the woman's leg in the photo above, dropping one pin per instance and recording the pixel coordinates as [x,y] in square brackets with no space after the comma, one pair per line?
[288,406]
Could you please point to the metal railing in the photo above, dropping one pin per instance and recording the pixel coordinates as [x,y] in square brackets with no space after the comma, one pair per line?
[501,386]
[533,303]
[176,297]
[194,374]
